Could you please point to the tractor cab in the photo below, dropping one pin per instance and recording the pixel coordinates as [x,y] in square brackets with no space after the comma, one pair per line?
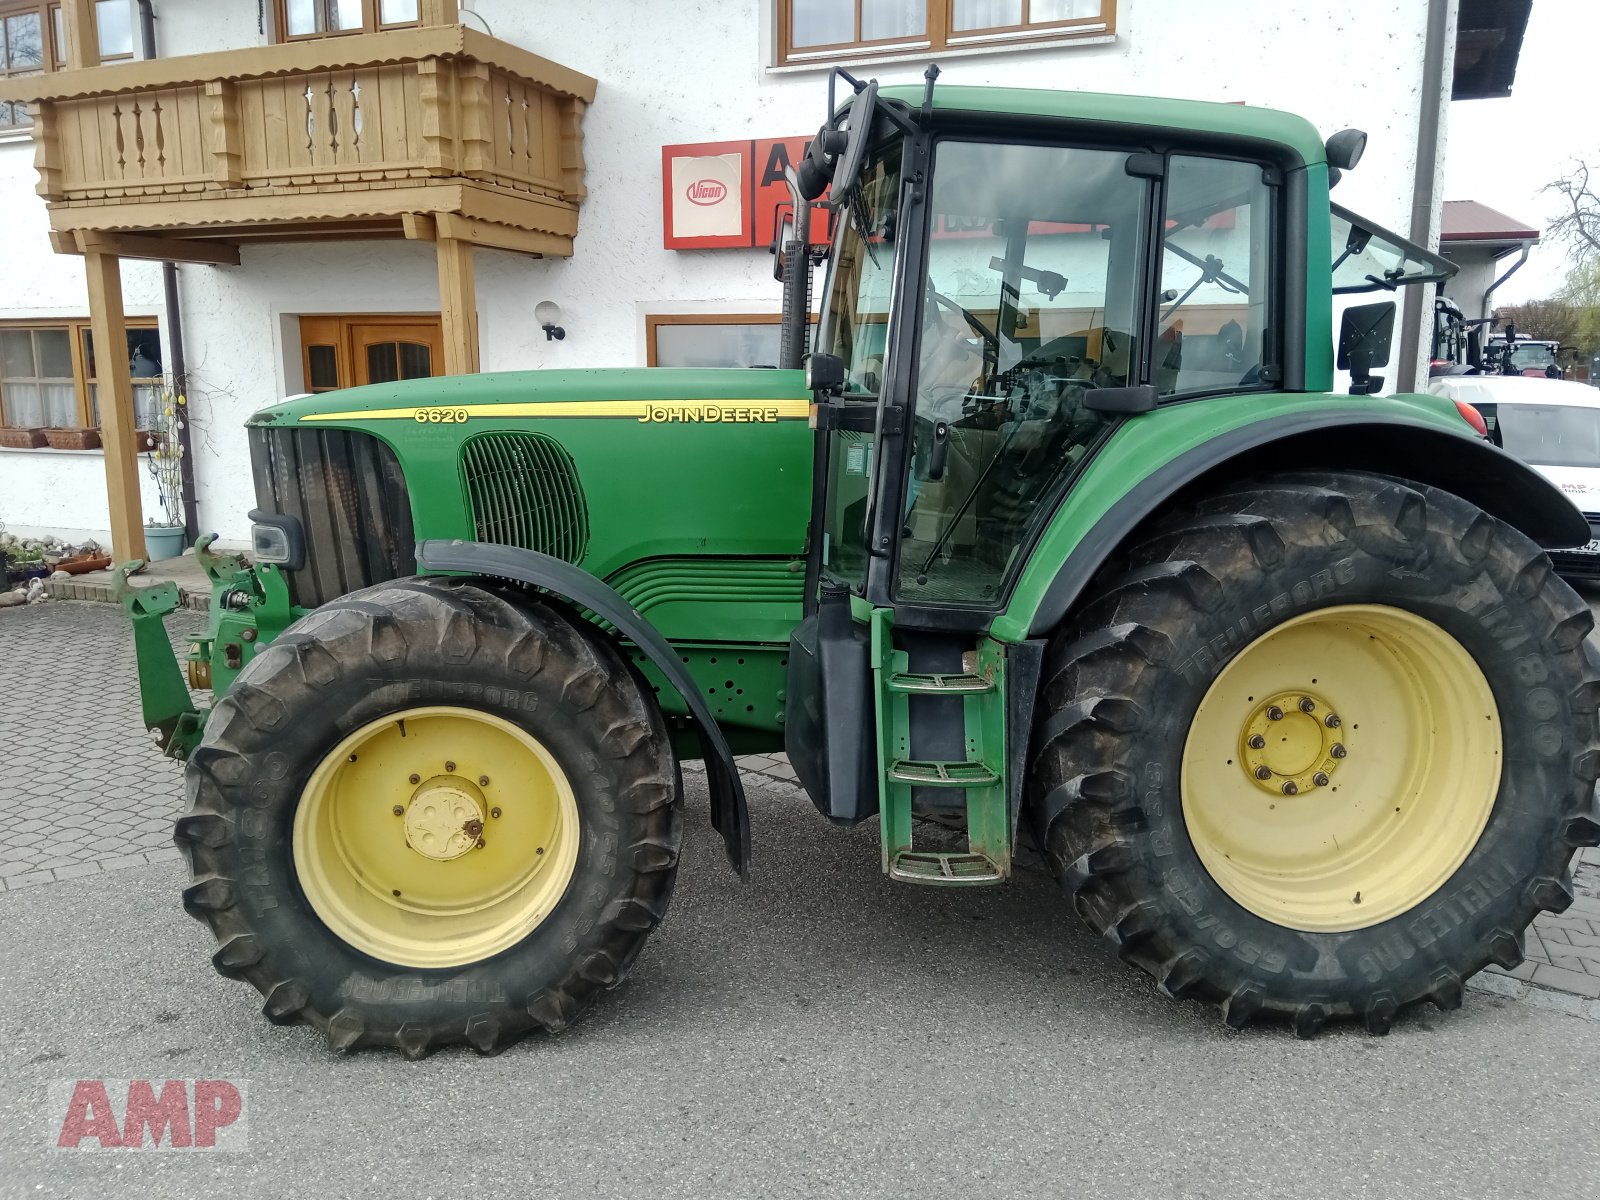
[1015,278]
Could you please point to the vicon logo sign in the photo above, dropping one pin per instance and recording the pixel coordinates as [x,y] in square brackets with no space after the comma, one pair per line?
[150,1114]
[706,192]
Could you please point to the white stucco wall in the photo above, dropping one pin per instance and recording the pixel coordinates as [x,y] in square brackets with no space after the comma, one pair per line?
[685,71]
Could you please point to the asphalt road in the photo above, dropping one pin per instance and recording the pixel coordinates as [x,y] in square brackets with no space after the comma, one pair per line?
[817,1031]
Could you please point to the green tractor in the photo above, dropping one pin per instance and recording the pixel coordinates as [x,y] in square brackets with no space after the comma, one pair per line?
[1057,526]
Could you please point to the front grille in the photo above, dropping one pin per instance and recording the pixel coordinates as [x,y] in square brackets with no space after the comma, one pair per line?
[349,495]
[524,491]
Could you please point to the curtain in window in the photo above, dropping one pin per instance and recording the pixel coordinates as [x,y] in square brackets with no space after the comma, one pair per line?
[893,19]
[1000,14]
[830,22]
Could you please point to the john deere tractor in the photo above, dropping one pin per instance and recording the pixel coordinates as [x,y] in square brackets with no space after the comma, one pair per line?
[1058,527]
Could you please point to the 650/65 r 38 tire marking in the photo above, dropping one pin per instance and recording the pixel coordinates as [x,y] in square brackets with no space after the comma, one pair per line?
[1192,814]
[534,715]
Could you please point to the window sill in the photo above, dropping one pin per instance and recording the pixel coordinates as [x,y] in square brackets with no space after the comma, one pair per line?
[922,53]
[51,450]
[20,133]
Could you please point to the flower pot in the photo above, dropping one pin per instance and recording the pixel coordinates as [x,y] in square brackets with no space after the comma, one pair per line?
[73,439]
[80,564]
[21,439]
[162,541]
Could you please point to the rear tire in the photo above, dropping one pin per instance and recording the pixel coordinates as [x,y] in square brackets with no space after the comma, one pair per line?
[514,682]
[1128,822]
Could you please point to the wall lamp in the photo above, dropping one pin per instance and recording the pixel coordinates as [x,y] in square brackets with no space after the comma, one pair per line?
[548,314]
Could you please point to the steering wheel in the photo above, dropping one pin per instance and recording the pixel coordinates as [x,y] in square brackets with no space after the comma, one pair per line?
[990,338]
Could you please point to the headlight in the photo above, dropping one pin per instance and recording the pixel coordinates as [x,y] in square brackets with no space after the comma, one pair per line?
[277,539]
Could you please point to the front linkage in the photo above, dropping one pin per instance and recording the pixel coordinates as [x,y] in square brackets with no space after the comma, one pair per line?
[248,607]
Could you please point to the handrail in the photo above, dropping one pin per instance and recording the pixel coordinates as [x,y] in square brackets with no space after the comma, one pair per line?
[290,58]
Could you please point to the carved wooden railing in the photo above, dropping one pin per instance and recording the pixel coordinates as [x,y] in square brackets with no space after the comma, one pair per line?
[349,113]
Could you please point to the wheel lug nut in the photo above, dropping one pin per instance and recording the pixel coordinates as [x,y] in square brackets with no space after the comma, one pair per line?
[415,778]
[1289,788]
[1338,751]
[1320,779]
[449,766]
[483,781]
[1263,772]
[399,810]
[494,812]
[1257,741]
[1331,720]
[1274,713]
[1307,704]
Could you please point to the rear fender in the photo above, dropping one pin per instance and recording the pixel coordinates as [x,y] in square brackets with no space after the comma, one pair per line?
[1407,441]
[729,813]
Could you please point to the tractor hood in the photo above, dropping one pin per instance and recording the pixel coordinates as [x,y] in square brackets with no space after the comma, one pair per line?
[611,470]
[643,394]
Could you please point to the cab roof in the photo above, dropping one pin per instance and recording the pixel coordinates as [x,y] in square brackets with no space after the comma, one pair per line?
[1189,116]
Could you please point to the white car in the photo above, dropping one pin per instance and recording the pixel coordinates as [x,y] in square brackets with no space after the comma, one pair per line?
[1553,425]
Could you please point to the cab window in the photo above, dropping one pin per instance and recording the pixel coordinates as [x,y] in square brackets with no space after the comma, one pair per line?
[1214,300]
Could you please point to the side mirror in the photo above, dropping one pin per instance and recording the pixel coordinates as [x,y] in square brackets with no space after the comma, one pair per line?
[781,241]
[1365,336]
[1344,149]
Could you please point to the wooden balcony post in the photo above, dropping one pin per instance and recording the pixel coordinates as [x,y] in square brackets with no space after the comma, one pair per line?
[227,152]
[436,89]
[477,115]
[110,327]
[572,185]
[441,12]
[458,306]
[47,149]
[83,41]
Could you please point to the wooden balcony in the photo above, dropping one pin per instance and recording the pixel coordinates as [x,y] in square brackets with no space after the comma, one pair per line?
[437,133]
[409,133]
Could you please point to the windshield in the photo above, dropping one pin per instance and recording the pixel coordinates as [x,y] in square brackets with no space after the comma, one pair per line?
[1546,435]
[1532,354]
[1368,258]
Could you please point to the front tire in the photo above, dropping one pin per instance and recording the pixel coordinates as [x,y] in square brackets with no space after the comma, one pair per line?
[1321,747]
[430,813]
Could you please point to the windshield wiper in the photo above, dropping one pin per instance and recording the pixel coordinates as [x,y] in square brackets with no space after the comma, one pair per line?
[1210,272]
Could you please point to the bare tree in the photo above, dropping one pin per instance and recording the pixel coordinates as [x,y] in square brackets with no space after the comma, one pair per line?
[1545,320]
[1579,226]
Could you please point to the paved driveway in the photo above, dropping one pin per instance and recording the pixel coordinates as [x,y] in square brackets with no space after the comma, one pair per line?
[816,1031]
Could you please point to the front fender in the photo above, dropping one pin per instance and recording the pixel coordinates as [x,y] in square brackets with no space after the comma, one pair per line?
[1154,457]
[730,815]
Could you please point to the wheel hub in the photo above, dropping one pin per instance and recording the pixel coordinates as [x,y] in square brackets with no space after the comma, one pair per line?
[1292,742]
[444,819]
[436,836]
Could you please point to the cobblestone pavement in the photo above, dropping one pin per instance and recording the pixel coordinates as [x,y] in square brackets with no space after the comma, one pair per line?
[81,788]
[82,791]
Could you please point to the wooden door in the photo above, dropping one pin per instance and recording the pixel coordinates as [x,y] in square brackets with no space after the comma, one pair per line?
[344,351]
[391,350]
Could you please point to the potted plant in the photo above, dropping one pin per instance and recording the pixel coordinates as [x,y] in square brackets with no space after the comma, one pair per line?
[164,460]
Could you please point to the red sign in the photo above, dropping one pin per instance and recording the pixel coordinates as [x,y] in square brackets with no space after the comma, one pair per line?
[728,195]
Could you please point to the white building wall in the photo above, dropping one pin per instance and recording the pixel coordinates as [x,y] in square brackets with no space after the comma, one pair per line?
[674,71]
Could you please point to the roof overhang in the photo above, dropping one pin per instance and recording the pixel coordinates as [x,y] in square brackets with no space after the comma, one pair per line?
[1488,44]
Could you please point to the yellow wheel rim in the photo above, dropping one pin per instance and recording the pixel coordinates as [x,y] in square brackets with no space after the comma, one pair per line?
[436,837]
[1342,767]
